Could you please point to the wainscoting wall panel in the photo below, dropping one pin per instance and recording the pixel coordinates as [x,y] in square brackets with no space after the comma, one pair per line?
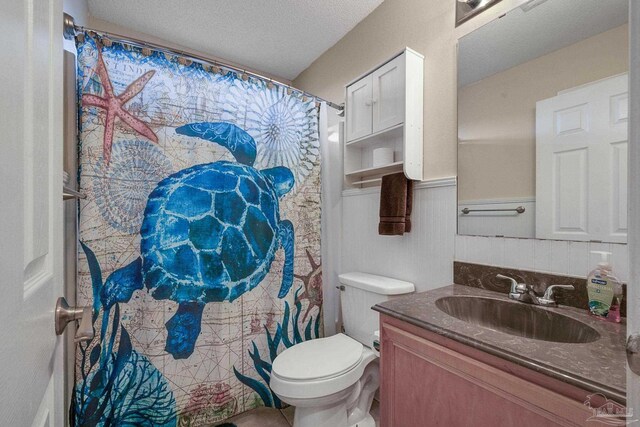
[424,256]
[548,256]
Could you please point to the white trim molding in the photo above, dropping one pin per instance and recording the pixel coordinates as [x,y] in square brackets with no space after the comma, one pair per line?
[530,199]
[633,291]
[428,183]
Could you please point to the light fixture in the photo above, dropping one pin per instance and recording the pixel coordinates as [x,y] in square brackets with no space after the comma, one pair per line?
[531,5]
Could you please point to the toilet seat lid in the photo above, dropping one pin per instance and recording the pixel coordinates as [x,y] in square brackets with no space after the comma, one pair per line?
[318,359]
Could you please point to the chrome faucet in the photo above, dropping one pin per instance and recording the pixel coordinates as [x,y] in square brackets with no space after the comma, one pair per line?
[518,290]
[524,293]
[547,299]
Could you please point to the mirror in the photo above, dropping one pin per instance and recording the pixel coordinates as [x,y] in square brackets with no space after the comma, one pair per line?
[467,9]
[542,123]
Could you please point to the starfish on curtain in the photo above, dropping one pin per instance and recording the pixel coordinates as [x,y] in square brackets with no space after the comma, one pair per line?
[114,107]
[312,285]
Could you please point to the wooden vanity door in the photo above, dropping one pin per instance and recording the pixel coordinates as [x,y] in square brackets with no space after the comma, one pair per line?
[426,384]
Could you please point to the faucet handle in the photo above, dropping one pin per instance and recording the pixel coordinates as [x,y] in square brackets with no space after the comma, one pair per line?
[515,286]
[547,298]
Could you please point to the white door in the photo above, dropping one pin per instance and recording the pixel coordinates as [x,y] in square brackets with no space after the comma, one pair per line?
[581,173]
[388,94]
[31,377]
[359,102]
[633,290]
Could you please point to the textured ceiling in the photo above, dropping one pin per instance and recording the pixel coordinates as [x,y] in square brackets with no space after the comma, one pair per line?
[526,33]
[281,37]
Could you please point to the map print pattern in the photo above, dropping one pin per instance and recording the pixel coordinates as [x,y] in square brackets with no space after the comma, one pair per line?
[149,121]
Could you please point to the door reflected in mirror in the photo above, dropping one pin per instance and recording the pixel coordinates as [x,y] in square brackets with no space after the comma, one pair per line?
[542,123]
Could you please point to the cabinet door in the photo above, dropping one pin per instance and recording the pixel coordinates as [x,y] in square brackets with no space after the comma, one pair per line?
[388,94]
[426,384]
[359,116]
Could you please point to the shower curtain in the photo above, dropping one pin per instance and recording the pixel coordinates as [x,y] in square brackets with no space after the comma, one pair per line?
[200,236]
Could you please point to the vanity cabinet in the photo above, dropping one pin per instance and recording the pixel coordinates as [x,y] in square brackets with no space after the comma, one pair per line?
[384,109]
[429,380]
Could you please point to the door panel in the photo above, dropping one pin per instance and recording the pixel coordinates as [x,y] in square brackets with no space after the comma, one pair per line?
[388,94]
[31,194]
[620,109]
[359,116]
[570,180]
[633,291]
[581,151]
[619,179]
[36,159]
[572,120]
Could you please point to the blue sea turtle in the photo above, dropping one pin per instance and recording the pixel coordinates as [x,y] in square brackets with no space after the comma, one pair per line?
[210,233]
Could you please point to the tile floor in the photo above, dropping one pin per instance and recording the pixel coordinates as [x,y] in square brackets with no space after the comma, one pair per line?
[270,417]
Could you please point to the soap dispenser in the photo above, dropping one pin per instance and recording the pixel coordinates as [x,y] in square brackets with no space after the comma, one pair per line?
[604,290]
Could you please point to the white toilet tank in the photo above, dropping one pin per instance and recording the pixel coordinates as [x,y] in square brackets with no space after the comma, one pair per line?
[361,292]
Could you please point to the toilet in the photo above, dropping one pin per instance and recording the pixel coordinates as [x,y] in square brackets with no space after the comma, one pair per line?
[331,381]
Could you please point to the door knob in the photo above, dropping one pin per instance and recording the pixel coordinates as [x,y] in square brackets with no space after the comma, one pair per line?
[65,314]
[633,353]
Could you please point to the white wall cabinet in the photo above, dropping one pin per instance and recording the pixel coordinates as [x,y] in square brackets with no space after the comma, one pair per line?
[388,95]
[360,99]
[384,108]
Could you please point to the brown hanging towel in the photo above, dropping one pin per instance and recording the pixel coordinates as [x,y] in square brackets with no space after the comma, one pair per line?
[396,200]
[407,214]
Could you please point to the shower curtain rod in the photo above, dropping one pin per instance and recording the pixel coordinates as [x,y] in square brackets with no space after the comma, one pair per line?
[70,29]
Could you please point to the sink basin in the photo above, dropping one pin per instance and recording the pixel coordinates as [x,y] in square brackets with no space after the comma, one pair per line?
[518,319]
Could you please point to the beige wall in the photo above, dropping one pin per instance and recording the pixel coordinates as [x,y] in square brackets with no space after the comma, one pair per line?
[424,25]
[497,114]
[427,26]
[109,27]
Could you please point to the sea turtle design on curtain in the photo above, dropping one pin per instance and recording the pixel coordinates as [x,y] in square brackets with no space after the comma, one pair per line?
[210,233]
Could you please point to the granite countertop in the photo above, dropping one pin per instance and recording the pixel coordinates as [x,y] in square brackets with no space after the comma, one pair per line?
[599,366]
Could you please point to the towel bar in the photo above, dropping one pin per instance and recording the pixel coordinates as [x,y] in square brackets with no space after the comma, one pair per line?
[519,209]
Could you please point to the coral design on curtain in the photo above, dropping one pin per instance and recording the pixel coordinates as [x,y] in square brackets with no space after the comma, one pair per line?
[200,236]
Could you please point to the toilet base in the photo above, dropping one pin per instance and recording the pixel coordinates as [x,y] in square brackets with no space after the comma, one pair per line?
[331,416]
[368,421]
[328,416]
